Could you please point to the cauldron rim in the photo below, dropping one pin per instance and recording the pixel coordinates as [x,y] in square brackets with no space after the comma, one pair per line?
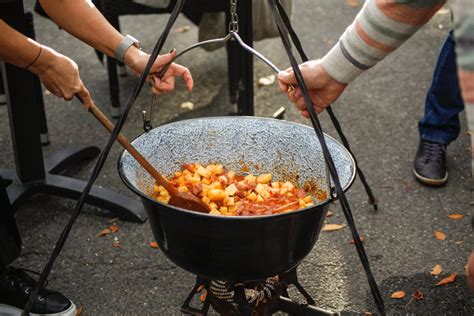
[125,180]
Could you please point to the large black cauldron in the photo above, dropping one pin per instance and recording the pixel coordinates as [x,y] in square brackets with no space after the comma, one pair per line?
[235,248]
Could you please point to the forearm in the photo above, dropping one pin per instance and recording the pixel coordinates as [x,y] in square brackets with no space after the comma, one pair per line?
[82,19]
[379,29]
[15,48]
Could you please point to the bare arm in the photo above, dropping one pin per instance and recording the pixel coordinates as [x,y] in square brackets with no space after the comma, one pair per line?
[59,74]
[82,19]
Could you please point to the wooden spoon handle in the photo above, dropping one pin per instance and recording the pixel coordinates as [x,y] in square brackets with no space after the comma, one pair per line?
[103,119]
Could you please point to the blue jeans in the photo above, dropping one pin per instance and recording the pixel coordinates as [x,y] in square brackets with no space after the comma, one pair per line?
[443,101]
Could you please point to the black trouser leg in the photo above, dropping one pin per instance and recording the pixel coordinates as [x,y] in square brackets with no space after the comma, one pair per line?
[10,241]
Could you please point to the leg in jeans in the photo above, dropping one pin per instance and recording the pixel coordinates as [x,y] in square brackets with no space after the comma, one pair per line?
[443,101]
[10,242]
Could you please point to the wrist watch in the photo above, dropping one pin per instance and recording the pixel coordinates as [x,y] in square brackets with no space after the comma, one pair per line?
[124,45]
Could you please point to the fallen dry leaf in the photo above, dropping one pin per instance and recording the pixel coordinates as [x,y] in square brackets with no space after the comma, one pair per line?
[103,232]
[154,245]
[116,244]
[448,280]
[114,228]
[182,29]
[436,270]
[418,296]
[353,3]
[266,81]
[79,310]
[187,105]
[362,239]
[113,220]
[203,296]
[398,294]
[440,235]
[455,216]
[329,213]
[332,227]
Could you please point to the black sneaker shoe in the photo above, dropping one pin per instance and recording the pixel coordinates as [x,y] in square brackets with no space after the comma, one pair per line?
[15,288]
[430,163]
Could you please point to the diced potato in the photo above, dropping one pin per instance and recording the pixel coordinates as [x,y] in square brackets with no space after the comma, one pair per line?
[231,189]
[206,181]
[260,198]
[164,193]
[215,185]
[185,172]
[251,178]
[283,190]
[260,188]
[290,194]
[178,174]
[276,184]
[183,189]
[223,209]
[252,196]
[204,172]
[206,200]
[307,199]
[156,189]
[265,194]
[264,178]
[216,194]
[212,205]
[302,204]
[288,185]
[218,169]
[215,212]
[231,201]
[230,175]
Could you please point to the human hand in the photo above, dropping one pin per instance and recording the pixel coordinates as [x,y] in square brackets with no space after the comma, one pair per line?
[60,75]
[322,88]
[137,60]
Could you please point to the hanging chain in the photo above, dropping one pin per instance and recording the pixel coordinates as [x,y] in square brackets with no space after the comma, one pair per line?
[234,18]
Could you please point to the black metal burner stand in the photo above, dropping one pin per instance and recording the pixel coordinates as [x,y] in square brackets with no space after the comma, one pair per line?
[33,174]
[262,298]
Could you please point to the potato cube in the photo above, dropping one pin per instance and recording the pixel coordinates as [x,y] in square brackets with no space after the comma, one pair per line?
[230,175]
[204,172]
[283,190]
[223,209]
[215,212]
[218,169]
[231,189]
[260,188]
[276,184]
[307,199]
[265,194]
[206,200]
[252,196]
[183,189]
[251,178]
[231,201]
[216,194]
[302,203]
[288,185]
[215,185]
[260,198]
[264,178]
[206,181]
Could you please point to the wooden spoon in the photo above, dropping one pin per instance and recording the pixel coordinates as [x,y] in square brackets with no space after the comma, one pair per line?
[184,200]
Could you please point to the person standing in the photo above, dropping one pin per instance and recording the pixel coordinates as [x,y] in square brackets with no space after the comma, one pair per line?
[440,124]
[60,75]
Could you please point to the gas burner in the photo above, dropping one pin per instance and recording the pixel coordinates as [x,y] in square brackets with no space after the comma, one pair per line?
[256,293]
[264,297]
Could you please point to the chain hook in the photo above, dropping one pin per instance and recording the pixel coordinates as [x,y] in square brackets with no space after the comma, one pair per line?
[234,18]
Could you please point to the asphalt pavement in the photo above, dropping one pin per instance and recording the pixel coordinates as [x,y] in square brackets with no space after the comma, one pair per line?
[379,113]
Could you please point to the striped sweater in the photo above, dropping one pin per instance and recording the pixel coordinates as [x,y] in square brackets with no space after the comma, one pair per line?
[383,25]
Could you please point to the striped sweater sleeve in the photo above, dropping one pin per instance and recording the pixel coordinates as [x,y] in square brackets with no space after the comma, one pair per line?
[463,11]
[380,27]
